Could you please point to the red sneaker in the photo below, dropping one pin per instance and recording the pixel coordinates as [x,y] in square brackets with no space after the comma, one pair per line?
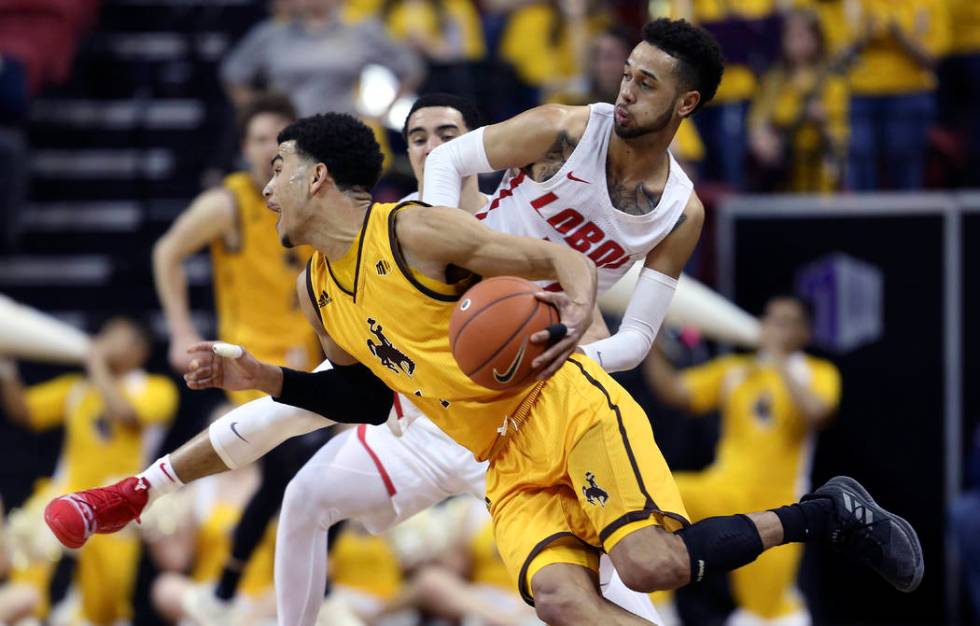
[75,517]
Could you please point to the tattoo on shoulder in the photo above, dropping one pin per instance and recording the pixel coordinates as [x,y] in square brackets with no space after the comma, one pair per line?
[680,220]
[634,201]
[554,159]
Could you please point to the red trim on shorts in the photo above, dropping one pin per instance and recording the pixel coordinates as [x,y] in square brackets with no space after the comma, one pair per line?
[385,478]
[398,407]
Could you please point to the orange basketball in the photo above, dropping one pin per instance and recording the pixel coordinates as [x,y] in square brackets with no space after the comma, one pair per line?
[490,331]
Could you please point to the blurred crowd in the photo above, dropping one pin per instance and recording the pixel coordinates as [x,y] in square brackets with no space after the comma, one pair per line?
[817,96]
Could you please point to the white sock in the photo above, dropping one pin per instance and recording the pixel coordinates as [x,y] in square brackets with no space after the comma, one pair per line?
[162,479]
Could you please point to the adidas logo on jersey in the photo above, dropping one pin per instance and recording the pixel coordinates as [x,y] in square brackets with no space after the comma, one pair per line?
[383,267]
[324,299]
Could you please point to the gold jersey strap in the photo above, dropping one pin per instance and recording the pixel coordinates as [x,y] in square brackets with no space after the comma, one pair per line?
[513,423]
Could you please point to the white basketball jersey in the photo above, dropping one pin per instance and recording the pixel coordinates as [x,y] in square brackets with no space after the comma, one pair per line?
[573,206]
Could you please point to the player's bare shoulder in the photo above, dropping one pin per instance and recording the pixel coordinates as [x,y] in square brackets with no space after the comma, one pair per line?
[693,214]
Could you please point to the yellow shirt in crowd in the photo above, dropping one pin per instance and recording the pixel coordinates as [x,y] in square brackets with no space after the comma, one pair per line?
[96,449]
[765,441]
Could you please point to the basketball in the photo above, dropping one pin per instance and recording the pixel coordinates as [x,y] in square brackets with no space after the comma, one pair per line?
[490,331]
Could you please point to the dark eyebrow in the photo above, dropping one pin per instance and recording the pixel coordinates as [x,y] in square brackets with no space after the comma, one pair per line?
[643,71]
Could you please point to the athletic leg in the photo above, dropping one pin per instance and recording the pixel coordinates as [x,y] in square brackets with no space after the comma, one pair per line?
[239,437]
[340,482]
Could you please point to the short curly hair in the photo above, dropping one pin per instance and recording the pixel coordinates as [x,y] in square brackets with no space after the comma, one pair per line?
[700,62]
[343,143]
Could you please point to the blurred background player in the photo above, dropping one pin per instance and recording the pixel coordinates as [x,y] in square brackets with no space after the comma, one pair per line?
[17,600]
[113,417]
[772,404]
[253,274]
[454,571]
[201,545]
[255,301]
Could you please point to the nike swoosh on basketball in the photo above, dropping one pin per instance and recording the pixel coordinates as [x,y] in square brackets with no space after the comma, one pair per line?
[237,434]
[572,176]
[509,373]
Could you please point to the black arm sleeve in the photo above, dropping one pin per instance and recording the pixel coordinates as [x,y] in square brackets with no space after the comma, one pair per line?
[349,394]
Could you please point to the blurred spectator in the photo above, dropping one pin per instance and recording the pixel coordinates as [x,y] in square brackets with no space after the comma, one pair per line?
[17,600]
[38,39]
[747,32]
[366,572]
[960,83]
[771,403]
[608,51]
[316,58]
[461,577]
[448,34]
[896,44]
[547,43]
[193,533]
[798,119]
[109,416]
[443,31]
[965,520]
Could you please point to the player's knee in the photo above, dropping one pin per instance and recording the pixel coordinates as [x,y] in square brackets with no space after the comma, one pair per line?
[300,495]
[560,605]
[654,571]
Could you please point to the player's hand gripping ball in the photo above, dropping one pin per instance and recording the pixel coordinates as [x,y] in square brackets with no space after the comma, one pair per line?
[490,331]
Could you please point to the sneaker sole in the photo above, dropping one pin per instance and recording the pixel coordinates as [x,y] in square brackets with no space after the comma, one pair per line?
[57,525]
[903,525]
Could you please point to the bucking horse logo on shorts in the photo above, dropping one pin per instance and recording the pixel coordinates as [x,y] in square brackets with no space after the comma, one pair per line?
[390,356]
[594,493]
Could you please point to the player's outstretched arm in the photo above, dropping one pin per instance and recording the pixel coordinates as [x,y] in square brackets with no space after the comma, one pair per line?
[435,237]
[210,216]
[654,290]
[519,141]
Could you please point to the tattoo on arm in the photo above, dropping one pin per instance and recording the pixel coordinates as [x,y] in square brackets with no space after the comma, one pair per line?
[553,160]
[680,220]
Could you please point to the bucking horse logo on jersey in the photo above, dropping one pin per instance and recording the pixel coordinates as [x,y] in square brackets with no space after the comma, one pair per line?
[594,493]
[390,356]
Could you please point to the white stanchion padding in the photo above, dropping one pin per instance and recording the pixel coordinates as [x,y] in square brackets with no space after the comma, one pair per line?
[26,333]
[693,304]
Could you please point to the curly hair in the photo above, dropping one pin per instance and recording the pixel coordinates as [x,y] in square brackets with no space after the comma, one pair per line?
[471,115]
[700,62]
[341,142]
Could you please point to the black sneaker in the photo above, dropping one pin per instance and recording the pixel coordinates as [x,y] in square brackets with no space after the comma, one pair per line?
[869,534]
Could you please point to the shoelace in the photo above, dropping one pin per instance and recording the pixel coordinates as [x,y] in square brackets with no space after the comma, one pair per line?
[105,498]
[852,536]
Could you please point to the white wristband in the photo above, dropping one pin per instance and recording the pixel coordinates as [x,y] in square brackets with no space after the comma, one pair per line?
[641,322]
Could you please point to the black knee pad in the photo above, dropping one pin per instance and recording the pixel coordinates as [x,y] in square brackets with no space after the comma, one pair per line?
[721,544]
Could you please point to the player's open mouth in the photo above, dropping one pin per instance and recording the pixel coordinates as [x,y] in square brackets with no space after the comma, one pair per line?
[621,115]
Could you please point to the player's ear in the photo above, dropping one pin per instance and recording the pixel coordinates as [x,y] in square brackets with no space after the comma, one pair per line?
[688,102]
[319,178]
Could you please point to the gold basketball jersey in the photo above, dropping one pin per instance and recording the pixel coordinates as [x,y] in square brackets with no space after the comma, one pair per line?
[255,284]
[396,321]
